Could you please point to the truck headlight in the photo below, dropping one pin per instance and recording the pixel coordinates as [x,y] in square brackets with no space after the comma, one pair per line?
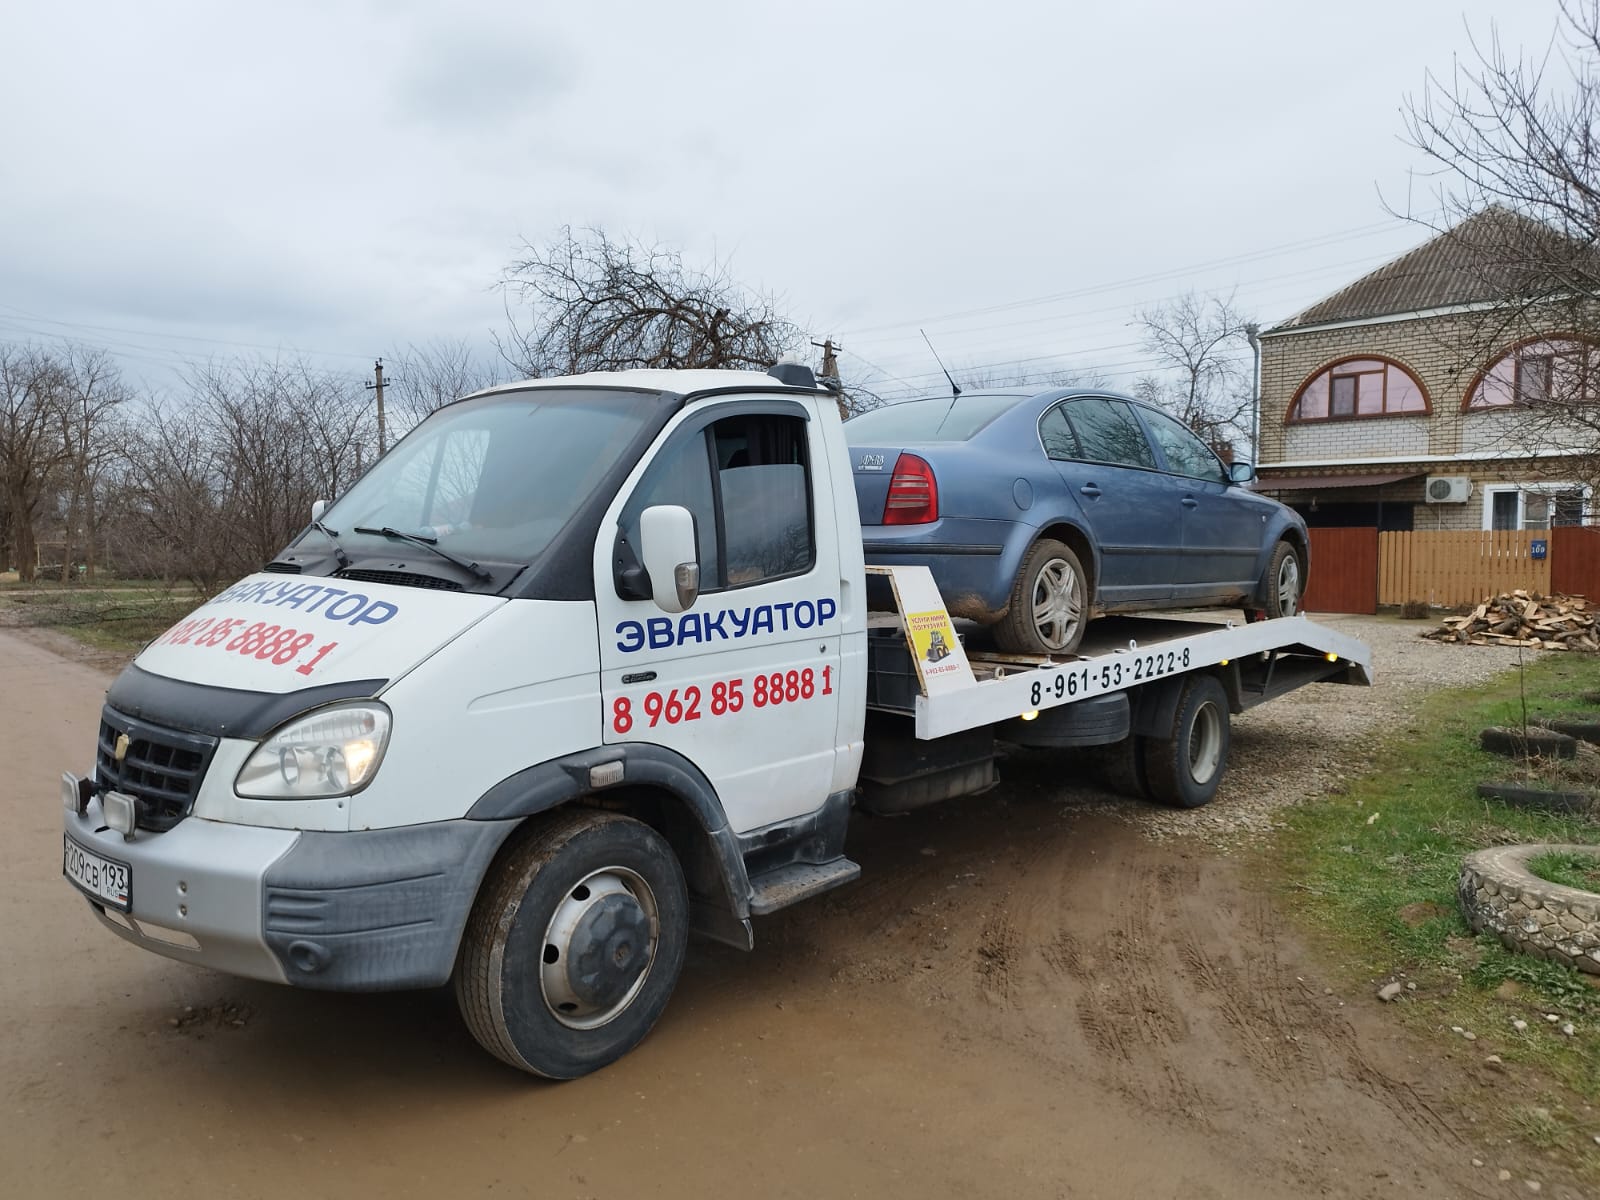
[330,752]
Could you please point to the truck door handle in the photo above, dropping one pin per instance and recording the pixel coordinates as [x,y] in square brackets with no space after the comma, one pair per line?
[1190,502]
[1089,489]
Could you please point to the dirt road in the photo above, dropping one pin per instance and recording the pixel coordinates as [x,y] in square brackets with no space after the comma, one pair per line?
[1020,998]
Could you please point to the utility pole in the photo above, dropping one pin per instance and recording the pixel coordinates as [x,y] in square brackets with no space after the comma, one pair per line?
[1252,333]
[830,370]
[377,388]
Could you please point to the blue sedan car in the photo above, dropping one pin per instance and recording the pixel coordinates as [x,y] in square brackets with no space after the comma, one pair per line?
[1038,512]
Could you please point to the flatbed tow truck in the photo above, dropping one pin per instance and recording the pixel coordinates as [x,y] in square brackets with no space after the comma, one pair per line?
[581,666]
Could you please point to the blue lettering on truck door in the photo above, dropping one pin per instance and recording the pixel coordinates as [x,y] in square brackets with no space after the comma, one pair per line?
[730,624]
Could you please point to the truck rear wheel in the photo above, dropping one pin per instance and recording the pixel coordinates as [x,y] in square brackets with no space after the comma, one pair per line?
[1184,767]
[574,945]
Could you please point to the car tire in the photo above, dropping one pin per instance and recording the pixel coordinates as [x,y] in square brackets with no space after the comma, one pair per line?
[1283,584]
[1184,767]
[1050,603]
[574,945]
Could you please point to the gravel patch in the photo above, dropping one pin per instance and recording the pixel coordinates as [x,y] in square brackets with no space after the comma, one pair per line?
[1306,744]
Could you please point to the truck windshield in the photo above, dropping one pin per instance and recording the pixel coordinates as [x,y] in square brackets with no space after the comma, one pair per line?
[495,478]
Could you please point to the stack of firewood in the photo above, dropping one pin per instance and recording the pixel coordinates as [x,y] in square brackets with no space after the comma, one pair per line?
[1524,619]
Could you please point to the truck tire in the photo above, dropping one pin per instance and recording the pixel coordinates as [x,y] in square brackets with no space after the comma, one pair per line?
[1050,603]
[574,945]
[1184,767]
[1283,583]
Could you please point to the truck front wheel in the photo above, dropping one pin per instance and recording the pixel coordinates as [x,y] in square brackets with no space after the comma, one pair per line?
[574,945]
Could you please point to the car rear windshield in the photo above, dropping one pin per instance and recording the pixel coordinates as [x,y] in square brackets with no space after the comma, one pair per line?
[926,420]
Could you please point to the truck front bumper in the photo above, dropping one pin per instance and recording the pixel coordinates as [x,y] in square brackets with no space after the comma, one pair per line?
[376,910]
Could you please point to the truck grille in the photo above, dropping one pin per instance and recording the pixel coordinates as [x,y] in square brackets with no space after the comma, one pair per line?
[162,768]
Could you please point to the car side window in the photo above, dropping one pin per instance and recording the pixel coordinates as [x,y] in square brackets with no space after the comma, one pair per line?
[1056,435]
[1108,432]
[747,481]
[1186,454]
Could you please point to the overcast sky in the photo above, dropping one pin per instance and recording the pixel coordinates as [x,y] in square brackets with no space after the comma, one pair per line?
[341,179]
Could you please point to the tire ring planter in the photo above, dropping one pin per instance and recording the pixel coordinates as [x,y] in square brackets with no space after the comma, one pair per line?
[1518,795]
[1521,743]
[1501,897]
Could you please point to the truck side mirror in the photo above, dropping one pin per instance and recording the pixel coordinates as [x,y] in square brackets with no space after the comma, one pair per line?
[318,507]
[1241,472]
[667,545]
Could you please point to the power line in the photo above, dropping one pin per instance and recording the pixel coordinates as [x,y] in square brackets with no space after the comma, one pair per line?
[1151,277]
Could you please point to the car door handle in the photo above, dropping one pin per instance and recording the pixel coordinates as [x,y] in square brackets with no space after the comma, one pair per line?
[1089,489]
[1190,502]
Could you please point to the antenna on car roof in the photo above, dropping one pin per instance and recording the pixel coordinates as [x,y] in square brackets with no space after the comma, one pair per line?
[955,389]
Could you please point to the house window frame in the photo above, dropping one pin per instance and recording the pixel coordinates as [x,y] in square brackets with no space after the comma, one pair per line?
[1331,369]
[1548,488]
[1551,356]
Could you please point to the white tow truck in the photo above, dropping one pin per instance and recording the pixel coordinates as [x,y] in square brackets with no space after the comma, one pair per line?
[581,666]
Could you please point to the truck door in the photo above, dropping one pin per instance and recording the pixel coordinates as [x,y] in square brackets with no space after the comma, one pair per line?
[745,683]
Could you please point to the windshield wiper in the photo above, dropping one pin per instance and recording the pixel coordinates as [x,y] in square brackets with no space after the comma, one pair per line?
[428,543]
[339,556]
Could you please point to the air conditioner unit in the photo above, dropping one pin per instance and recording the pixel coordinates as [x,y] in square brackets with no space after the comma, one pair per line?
[1449,489]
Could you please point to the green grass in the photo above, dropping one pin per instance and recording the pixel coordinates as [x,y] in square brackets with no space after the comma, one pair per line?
[1569,869]
[118,619]
[1373,872]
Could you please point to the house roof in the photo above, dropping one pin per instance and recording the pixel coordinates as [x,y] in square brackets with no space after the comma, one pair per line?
[1488,256]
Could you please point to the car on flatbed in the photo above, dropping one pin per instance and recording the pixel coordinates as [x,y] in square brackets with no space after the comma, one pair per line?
[1037,511]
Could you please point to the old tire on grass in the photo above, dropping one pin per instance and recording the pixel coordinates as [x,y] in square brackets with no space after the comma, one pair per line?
[1184,767]
[1050,603]
[1583,726]
[574,945]
[1540,799]
[1499,896]
[1521,743]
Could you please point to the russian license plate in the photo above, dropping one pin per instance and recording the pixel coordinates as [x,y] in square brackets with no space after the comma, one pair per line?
[107,881]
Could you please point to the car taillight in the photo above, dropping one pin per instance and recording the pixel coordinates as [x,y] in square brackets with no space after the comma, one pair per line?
[913,493]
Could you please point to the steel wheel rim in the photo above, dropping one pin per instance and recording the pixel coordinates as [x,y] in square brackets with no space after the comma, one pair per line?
[1289,585]
[1057,603]
[570,937]
[1205,743]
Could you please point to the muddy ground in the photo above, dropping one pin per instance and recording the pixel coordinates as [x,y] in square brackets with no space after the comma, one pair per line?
[1022,997]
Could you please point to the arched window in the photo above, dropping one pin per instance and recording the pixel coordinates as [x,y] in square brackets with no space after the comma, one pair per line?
[1359,387]
[1565,369]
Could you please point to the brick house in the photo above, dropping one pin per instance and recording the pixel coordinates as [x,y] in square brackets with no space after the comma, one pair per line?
[1414,379]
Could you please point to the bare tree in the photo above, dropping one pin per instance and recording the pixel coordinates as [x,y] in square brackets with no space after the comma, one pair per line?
[91,392]
[1517,198]
[427,377]
[32,390]
[1201,379]
[595,304]
[219,481]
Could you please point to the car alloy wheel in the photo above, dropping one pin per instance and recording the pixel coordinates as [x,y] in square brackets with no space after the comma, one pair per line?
[1057,604]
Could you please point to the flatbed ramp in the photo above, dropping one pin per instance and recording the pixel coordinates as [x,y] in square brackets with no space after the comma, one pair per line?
[957,689]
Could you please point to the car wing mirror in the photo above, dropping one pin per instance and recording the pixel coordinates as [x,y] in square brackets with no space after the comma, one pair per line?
[318,507]
[667,545]
[1241,472]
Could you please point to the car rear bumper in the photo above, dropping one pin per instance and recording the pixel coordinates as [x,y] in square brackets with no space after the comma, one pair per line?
[973,562]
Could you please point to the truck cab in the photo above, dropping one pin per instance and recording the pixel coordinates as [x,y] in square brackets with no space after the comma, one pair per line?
[627,601]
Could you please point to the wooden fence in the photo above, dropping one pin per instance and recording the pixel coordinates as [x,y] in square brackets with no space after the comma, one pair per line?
[1450,568]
